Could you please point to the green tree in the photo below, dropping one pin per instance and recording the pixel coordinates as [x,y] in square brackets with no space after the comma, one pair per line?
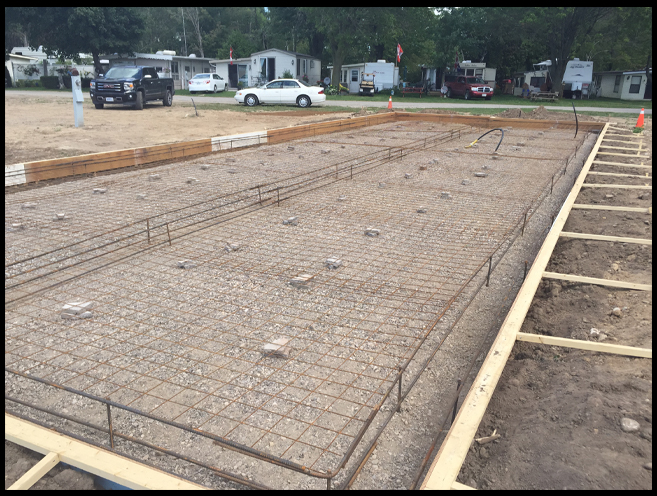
[67,31]
[558,29]
[162,30]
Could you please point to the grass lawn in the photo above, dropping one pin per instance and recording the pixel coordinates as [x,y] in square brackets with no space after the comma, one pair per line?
[500,100]
[227,94]
[270,108]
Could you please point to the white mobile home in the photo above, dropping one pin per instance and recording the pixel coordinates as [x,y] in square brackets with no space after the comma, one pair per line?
[625,85]
[267,65]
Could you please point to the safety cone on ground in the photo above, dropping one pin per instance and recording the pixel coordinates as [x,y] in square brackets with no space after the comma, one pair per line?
[639,121]
[390,107]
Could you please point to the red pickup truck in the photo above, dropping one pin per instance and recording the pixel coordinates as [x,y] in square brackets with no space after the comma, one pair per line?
[468,87]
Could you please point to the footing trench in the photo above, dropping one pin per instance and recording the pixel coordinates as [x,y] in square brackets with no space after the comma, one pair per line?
[257,316]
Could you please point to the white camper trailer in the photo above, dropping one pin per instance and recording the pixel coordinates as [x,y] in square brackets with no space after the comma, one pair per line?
[534,79]
[386,75]
[578,79]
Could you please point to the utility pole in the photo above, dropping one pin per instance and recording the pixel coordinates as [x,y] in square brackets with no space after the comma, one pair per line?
[182,12]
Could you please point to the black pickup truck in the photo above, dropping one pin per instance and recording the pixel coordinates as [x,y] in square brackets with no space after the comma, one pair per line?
[131,85]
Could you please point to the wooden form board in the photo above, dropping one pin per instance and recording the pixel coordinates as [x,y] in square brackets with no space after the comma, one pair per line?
[621,148]
[97,162]
[597,281]
[617,174]
[492,122]
[630,142]
[609,207]
[616,186]
[90,458]
[633,136]
[30,478]
[600,162]
[600,237]
[447,463]
[631,155]
[585,345]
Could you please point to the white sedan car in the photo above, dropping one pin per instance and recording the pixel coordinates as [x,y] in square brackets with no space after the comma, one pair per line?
[282,91]
[207,82]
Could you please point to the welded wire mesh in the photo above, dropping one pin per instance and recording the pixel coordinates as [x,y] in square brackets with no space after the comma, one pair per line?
[186,344]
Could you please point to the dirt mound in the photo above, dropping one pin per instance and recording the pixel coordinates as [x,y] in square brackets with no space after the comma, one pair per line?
[512,114]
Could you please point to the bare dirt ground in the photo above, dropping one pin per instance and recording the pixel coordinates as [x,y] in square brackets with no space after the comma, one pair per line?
[40,128]
[559,411]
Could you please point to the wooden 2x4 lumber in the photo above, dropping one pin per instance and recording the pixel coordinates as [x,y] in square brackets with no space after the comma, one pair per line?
[619,174]
[585,345]
[616,186]
[598,282]
[601,162]
[631,155]
[600,237]
[634,136]
[621,148]
[447,463]
[457,486]
[90,458]
[610,207]
[35,473]
[620,141]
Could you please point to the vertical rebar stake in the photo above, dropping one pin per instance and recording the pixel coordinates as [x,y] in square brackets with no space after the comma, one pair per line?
[352,171]
[524,222]
[525,276]
[399,394]
[456,403]
[259,196]
[169,234]
[551,184]
[490,265]
[109,421]
[148,231]
[278,194]
[552,223]
[328,484]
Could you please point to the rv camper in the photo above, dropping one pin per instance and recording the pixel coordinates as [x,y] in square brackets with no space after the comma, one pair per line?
[578,79]
[534,79]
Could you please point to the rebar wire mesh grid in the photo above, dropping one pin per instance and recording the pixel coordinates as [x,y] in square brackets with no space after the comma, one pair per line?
[186,345]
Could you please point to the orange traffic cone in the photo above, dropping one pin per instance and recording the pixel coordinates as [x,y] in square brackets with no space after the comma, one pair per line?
[390,107]
[639,121]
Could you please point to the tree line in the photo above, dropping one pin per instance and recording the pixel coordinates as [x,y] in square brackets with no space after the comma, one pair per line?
[510,39]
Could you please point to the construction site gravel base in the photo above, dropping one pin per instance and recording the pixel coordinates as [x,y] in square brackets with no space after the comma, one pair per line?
[185,344]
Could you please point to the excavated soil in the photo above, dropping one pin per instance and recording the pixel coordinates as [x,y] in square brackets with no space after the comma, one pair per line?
[559,410]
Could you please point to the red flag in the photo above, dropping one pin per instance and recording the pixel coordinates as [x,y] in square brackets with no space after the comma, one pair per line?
[399,52]
[231,55]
